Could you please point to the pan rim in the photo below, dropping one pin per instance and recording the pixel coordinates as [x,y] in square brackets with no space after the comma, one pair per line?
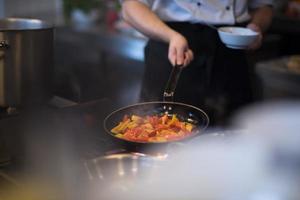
[154,102]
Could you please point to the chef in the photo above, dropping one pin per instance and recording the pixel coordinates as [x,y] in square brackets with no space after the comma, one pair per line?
[217,79]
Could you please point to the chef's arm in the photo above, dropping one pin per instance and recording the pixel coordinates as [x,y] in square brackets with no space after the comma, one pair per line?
[262,17]
[143,19]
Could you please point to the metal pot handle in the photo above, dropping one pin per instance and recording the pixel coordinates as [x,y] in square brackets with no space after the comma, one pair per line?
[4,44]
[172,83]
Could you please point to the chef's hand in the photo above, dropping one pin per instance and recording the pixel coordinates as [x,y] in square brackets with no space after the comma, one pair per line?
[257,43]
[179,51]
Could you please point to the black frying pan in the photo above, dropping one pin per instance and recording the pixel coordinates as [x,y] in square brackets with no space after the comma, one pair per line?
[185,112]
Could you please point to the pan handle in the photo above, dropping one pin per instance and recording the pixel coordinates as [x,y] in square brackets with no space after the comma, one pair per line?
[172,83]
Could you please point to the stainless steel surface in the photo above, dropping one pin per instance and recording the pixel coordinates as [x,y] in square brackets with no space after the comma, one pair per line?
[26,62]
[113,176]
[121,166]
[17,24]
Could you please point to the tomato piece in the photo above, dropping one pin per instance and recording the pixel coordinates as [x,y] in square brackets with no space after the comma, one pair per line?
[152,134]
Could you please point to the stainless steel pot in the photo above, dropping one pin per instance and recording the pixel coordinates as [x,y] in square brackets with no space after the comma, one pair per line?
[26,62]
[121,166]
[112,176]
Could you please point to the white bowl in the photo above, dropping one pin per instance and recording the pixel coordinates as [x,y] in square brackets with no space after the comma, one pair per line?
[237,37]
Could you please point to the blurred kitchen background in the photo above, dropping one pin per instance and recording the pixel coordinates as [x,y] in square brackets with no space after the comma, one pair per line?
[98,55]
[93,59]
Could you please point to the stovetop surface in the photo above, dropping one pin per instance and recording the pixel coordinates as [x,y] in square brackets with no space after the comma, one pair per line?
[77,129]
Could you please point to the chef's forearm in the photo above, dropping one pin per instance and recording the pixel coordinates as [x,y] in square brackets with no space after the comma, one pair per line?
[143,19]
[262,17]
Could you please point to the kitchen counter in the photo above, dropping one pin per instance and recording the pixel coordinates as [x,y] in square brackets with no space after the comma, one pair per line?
[80,124]
[278,80]
[105,40]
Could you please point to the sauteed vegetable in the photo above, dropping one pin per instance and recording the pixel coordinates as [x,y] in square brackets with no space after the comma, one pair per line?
[152,128]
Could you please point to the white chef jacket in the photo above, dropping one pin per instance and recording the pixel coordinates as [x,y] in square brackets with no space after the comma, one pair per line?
[205,11]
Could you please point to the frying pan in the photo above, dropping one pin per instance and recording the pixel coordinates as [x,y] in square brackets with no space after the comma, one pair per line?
[184,112]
